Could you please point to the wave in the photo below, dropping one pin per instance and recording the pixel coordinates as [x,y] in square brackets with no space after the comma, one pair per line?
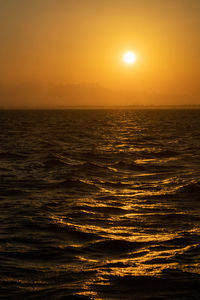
[115,247]
[74,185]
[54,161]
[190,188]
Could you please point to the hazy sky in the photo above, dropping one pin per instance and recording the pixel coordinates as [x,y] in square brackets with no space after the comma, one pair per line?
[74,41]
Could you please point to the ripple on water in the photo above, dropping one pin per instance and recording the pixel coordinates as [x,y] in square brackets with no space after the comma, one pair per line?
[100,204]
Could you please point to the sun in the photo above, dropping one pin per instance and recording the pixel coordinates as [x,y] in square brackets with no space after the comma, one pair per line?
[129,57]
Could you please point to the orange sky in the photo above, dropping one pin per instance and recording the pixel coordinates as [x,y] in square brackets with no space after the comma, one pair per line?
[73,41]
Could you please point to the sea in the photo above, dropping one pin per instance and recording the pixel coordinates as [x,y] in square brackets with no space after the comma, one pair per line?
[100,204]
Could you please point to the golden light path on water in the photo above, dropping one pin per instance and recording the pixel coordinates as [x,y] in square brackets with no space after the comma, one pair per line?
[144,262]
[147,260]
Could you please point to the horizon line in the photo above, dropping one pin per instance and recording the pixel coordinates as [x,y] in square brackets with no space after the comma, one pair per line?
[84,107]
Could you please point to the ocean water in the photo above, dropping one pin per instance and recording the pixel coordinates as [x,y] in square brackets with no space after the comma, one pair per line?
[100,204]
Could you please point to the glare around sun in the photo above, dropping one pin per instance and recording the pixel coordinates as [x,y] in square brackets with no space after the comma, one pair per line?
[129,58]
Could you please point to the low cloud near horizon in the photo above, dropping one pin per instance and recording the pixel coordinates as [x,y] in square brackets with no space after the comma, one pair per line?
[36,95]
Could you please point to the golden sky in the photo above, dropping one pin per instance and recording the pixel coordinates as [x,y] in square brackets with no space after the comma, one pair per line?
[63,42]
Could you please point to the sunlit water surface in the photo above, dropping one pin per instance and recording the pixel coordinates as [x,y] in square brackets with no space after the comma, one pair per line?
[100,204]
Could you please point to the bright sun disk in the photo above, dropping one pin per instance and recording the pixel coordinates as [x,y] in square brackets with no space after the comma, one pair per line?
[129,57]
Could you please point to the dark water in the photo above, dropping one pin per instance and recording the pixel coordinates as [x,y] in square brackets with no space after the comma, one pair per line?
[100,204]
